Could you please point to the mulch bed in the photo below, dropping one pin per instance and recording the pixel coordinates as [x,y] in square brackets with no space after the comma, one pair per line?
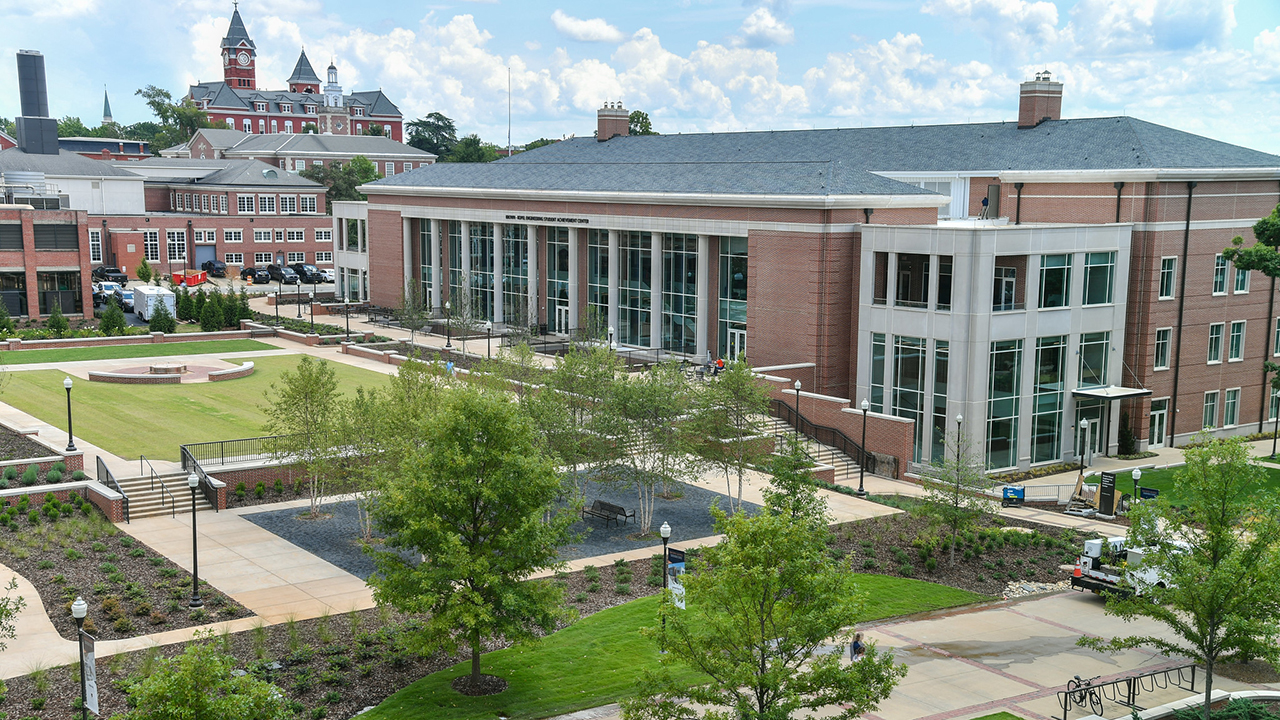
[287,490]
[14,446]
[130,590]
[987,559]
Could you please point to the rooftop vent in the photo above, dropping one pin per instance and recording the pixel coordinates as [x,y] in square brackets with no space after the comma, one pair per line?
[612,120]
[1039,100]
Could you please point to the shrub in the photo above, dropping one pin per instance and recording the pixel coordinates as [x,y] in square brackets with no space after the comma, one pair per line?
[77,476]
[654,580]
[260,490]
[31,475]
[11,473]
[45,564]
[906,571]
[623,588]
[37,703]
[142,609]
[580,597]
[33,517]
[278,486]
[158,618]
[240,491]
[111,607]
[593,587]
[931,564]
[869,564]
[57,323]
[319,713]
[333,697]
[122,625]
[59,466]
[4,483]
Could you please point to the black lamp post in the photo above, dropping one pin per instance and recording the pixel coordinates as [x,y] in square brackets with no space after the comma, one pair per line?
[346,311]
[79,609]
[279,292]
[862,466]
[797,411]
[297,294]
[311,306]
[1084,441]
[448,325]
[193,482]
[71,440]
[665,532]
[488,338]
[1137,475]
[959,443]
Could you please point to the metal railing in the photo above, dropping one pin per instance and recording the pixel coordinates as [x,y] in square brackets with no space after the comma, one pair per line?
[1124,691]
[106,478]
[228,452]
[828,436]
[155,478]
[190,463]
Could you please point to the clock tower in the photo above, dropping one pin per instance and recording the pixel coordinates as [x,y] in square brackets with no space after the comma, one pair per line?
[239,56]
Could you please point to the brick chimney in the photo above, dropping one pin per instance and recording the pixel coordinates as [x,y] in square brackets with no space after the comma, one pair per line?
[1039,100]
[612,120]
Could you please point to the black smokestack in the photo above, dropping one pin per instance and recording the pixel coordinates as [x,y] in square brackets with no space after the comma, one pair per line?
[31,84]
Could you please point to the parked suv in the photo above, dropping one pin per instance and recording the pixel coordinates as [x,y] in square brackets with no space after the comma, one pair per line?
[106,272]
[308,273]
[215,268]
[283,274]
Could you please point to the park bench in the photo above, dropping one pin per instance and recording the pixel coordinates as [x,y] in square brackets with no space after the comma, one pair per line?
[380,314]
[608,512]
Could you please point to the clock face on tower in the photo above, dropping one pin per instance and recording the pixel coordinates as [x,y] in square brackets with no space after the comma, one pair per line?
[243,58]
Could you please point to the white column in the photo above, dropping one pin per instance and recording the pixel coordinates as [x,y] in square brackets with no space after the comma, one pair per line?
[499,231]
[437,274]
[704,292]
[655,290]
[465,286]
[407,226]
[532,232]
[614,262]
[573,278]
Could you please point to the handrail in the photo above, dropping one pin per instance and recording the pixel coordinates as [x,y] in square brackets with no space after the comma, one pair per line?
[106,478]
[227,452]
[823,434]
[190,463]
[1087,693]
[173,503]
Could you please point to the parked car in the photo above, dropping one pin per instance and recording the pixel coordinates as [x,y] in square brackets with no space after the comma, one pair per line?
[328,274]
[106,272]
[283,274]
[307,273]
[125,298]
[247,272]
[106,289]
[261,276]
[215,268]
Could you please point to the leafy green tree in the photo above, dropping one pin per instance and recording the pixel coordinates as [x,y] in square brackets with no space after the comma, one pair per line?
[310,128]
[144,271]
[112,321]
[729,413]
[8,127]
[211,317]
[434,133]
[179,120]
[342,179]
[230,310]
[761,607]
[374,129]
[70,126]
[540,142]
[201,683]
[1264,254]
[186,305]
[10,606]
[792,488]
[302,418]
[245,312]
[1214,563]
[162,320]
[568,412]
[6,321]
[414,312]
[57,322]
[638,123]
[955,488]
[473,500]
[471,149]
[200,297]
[145,130]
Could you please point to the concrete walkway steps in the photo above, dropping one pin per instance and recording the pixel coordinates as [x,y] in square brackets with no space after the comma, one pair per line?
[149,499]
[845,466]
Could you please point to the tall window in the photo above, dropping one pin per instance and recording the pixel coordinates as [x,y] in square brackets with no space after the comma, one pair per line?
[308,203]
[1168,271]
[1094,352]
[515,277]
[1055,280]
[598,276]
[558,277]
[1004,390]
[95,246]
[455,262]
[908,383]
[1210,418]
[1219,275]
[635,303]
[480,245]
[680,292]
[1099,269]
[1049,399]
[177,245]
[1242,281]
[1004,291]
[151,245]
[424,256]
[1231,408]
[1274,410]
[1275,343]
[244,203]
[1235,345]
[262,236]
[877,372]
[1215,342]
[288,204]
[262,258]
[941,363]
[232,236]
[1164,338]
[266,203]
[733,297]
[944,282]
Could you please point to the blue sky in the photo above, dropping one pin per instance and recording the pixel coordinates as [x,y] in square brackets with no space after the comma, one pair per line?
[1206,66]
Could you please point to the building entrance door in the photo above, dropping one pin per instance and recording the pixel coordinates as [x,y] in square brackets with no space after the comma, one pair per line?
[562,320]
[737,344]
[1159,421]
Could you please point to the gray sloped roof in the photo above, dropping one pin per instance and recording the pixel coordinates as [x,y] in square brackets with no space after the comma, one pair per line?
[221,95]
[65,163]
[303,72]
[220,172]
[222,138]
[218,94]
[376,101]
[339,144]
[236,32]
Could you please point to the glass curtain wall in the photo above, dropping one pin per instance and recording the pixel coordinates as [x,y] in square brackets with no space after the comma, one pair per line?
[733,297]
[1003,394]
[481,249]
[877,372]
[941,363]
[455,261]
[598,277]
[61,289]
[635,303]
[1094,348]
[557,276]
[515,276]
[908,384]
[1050,399]
[680,293]
[424,259]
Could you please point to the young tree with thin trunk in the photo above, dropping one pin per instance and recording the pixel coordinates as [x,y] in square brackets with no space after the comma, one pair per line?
[10,606]
[729,415]
[472,501]
[1211,568]
[302,418]
[760,608]
[792,488]
[414,312]
[955,488]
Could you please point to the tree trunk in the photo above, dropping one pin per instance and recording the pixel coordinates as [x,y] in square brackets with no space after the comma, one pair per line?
[953,546]
[475,659]
[1208,685]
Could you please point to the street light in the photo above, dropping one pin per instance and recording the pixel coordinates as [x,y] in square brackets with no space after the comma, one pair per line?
[611,343]
[279,292]
[797,411]
[311,305]
[488,337]
[1137,475]
[959,442]
[346,312]
[79,609]
[862,466]
[193,481]
[448,325]
[665,532]
[1084,429]
[71,440]
[297,296]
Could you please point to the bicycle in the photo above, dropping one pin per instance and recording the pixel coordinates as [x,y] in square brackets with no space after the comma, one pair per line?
[1082,691]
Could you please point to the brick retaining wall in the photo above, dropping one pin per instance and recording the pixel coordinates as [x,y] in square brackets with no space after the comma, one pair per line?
[105,499]
[20,344]
[125,379]
[244,370]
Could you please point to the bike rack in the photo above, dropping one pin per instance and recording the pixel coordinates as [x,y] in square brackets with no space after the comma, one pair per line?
[1125,691]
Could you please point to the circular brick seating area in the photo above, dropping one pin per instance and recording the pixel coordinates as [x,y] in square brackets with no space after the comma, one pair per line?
[170,374]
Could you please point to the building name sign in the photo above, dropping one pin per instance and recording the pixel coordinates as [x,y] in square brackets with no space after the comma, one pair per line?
[550,219]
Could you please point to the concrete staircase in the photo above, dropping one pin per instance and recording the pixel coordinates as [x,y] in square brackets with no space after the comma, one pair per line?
[846,467]
[146,501]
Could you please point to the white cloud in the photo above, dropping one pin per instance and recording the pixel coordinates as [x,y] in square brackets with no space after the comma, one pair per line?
[1126,26]
[1014,27]
[532,45]
[593,30]
[762,29]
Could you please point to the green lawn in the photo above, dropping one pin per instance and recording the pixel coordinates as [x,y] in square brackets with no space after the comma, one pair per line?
[999,716]
[597,660]
[113,352]
[153,420]
[1162,480]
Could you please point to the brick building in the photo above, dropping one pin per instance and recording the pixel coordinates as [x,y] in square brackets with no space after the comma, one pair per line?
[1028,275]
[238,102]
[297,152]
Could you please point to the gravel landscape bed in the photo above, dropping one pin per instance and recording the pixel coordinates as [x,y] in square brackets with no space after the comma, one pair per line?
[16,446]
[130,589]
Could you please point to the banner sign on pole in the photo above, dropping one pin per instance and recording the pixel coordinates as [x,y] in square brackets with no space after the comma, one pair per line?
[677,592]
[675,568]
[90,674]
